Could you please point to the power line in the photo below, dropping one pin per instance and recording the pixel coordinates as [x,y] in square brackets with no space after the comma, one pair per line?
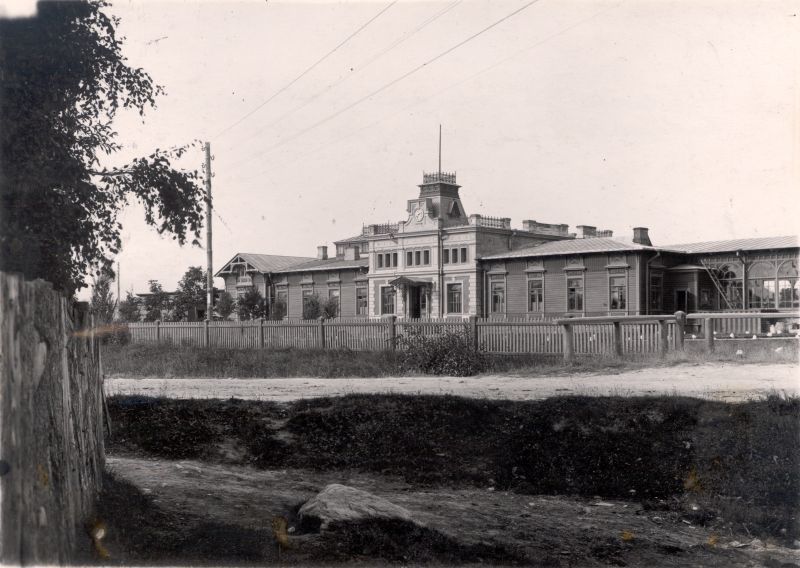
[304,73]
[397,80]
[445,89]
[358,68]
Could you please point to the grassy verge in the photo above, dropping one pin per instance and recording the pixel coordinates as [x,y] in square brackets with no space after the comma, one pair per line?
[732,466]
[175,361]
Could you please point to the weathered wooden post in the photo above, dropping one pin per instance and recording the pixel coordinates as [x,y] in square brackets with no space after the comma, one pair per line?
[618,338]
[392,332]
[569,345]
[709,332]
[261,333]
[158,331]
[206,331]
[473,327]
[680,329]
[663,340]
[321,332]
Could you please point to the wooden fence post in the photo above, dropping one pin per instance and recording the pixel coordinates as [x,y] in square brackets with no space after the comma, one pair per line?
[569,346]
[321,329]
[663,340]
[158,331]
[393,332]
[680,329]
[473,327]
[261,333]
[709,332]
[206,330]
[618,338]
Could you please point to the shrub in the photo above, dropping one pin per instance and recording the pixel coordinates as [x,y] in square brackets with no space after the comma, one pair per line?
[116,334]
[312,307]
[448,353]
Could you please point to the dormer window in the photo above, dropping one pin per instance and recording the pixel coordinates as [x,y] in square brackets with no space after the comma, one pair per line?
[455,210]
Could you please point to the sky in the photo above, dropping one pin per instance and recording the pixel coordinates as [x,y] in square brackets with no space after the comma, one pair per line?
[677,116]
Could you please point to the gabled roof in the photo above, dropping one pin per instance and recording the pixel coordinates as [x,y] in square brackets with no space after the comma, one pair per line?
[356,239]
[266,263]
[328,264]
[758,243]
[573,246]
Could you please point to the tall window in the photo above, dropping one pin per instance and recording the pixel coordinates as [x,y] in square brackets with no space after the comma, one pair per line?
[307,293]
[409,258]
[617,291]
[788,285]
[426,256]
[380,260]
[463,255]
[761,285]
[454,256]
[656,292]
[446,256]
[454,298]
[333,293]
[497,293]
[575,294]
[387,300]
[730,279]
[536,295]
[361,301]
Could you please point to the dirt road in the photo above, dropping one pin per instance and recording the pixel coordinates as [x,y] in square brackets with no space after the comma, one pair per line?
[557,530]
[729,382]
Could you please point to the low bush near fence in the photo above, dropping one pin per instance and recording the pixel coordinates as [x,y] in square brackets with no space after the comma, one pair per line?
[449,353]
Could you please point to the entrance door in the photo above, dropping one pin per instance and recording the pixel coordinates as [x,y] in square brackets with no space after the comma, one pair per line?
[682,299]
[414,301]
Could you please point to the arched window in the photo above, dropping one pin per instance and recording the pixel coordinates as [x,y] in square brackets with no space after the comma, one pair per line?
[788,285]
[761,285]
[730,279]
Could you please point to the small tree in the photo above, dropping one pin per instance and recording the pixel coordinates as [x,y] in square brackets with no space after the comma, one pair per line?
[225,305]
[129,308]
[190,294]
[157,304]
[251,305]
[103,302]
[278,311]
[330,309]
[312,307]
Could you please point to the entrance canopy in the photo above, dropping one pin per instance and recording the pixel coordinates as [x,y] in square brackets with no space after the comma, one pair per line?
[404,281]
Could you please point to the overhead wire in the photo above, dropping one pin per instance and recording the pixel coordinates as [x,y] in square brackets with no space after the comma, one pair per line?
[396,80]
[304,73]
[445,89]
[357,69]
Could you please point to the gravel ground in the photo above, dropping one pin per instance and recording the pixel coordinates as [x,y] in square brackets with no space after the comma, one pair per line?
[729,382]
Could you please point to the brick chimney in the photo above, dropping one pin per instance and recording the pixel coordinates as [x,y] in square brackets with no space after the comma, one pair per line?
[586,231]
[641,236]
[322,252]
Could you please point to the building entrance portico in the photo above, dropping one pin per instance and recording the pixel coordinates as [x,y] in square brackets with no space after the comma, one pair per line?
[416,296]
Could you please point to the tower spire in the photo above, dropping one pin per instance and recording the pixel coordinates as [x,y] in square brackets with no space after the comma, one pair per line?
[440,148]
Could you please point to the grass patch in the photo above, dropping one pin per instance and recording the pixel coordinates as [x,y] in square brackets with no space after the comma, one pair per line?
[142,360]
[710,461]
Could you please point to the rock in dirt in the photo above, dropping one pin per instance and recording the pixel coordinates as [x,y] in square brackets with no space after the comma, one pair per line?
[340,503]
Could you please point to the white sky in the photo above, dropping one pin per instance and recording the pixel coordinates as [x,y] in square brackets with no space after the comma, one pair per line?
[683,117]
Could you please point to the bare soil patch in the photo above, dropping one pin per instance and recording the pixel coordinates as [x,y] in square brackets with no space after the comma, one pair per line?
[224,512]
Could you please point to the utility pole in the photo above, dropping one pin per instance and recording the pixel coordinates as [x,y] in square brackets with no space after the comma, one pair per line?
[209,258]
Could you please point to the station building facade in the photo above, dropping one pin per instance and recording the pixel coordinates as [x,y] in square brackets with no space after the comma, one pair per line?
[440,262]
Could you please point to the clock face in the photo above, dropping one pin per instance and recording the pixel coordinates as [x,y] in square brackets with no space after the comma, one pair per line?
[419,214]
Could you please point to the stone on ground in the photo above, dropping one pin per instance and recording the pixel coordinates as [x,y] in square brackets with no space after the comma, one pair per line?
[340,503]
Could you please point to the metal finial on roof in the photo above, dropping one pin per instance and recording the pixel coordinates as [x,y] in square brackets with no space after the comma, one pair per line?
[440,148]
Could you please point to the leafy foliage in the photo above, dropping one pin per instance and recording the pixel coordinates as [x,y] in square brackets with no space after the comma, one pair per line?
[129,308]
[446,354]
[225,305]
[64,80]
[330,308]
[103,303]
[251,305]
[278,310]
[190,294]
[157,304]
[312,307]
